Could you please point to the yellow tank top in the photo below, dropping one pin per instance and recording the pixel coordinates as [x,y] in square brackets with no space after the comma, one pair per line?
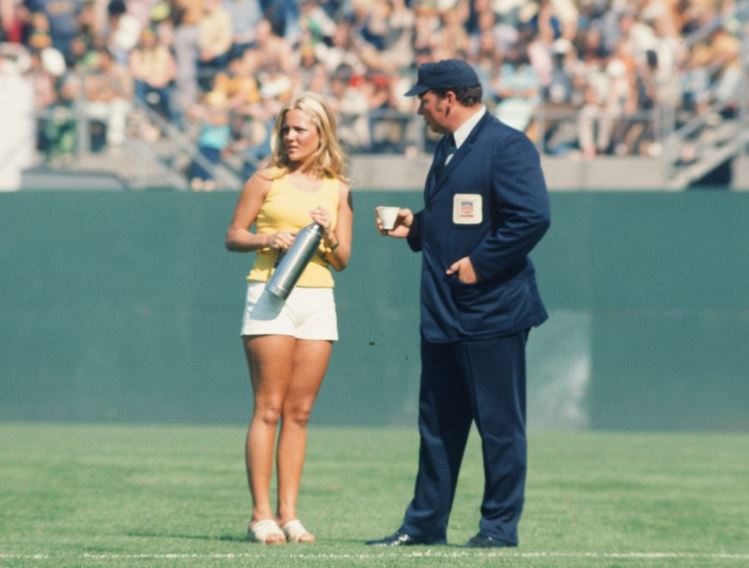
[286,208]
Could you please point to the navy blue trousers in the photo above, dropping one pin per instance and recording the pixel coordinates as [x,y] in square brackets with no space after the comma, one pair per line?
[461,383]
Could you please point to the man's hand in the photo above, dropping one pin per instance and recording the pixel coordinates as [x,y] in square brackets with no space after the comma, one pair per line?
[464,269]
[402,226]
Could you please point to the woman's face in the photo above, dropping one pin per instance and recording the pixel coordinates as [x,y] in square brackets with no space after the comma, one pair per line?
[299,135]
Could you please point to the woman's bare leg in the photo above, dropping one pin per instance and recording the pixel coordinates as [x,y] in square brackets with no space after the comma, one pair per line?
[310,364]
[270,359]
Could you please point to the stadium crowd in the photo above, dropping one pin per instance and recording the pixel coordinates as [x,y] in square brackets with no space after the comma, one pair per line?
[582,76]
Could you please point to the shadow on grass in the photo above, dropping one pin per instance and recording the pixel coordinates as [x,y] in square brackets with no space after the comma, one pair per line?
[220,538]
[321,542]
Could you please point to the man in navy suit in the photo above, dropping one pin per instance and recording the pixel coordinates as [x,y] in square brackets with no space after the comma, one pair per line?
[485,207]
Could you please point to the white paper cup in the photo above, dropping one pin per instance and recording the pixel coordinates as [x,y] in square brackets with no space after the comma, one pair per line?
[387,215]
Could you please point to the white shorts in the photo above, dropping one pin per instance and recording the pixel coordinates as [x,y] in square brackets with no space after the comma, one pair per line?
[308,313]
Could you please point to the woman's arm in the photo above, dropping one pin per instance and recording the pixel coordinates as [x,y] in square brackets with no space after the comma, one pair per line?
[239,238]
[338,241]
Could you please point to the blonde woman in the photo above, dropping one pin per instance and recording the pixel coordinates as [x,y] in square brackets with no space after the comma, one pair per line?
[288,343]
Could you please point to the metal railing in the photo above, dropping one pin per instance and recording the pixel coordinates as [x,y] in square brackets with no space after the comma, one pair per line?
[227,174]
[167,159]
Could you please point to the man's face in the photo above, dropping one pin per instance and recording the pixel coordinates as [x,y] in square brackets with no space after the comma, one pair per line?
[434,109]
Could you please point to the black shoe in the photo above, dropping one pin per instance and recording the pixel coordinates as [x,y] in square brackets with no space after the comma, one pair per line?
[398,538]
[486,541]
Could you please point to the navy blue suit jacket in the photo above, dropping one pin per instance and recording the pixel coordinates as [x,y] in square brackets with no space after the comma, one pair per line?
[502,166]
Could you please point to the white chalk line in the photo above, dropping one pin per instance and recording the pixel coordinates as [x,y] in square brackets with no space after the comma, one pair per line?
[378,555]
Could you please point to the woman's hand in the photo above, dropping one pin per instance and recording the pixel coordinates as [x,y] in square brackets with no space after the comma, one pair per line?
[321,216]
[280,241]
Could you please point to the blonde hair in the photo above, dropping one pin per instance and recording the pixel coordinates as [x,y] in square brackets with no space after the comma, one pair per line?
[329,160]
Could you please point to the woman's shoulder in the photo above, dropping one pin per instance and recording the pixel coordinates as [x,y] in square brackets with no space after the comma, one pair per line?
[338,189]
[269,174]
[262,180]
[335,179]
[343,185]
[336,184]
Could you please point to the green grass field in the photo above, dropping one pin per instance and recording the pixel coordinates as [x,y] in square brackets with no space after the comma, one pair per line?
[176,496]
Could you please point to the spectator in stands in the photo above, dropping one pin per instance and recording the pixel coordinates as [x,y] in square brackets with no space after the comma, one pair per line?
[695,14]
[16,114]
[288,343]
[426,28]
[283,16]
[245,16]
[340,51]
[485,54]
[300,43]
[641,137]
[589,116]
[123,31]
[63,22]
[561,98]
[695,80]
[39,37]
[621,102]
[349,102]
[510,16]
[316,79]
[239,82]
[214,134]
[668,46]
[15,61]
[453,34]
[518,89]
[186,16]
[539,46]
[388,133]
[83,44]
[592,81]
[275,84]
[108,89]
[272,50]
[215,36]
[542,20]
[315,21]
[383,37]
[560,93]
[45,92]
[59,128]
[568,15]
[153,69]
[727,89]
[14,22]
[252,114]
[306,63]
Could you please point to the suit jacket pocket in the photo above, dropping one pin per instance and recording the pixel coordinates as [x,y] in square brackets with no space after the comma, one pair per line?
[487,306]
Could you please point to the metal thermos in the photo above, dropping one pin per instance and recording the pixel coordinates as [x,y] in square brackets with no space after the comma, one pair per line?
[292,264]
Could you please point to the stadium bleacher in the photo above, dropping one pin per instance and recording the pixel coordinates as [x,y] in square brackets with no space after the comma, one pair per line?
[635,95]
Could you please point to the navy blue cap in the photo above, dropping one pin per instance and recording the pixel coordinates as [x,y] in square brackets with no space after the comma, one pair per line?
[445,74]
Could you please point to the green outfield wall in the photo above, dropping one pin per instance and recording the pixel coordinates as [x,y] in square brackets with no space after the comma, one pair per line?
[126,307]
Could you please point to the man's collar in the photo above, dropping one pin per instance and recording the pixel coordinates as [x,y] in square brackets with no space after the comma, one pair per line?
[464,130]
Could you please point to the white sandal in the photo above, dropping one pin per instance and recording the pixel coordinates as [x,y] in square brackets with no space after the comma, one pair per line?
[261,531]
[295,532]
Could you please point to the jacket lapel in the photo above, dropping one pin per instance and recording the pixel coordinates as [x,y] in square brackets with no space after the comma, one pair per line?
[434,184]
[432,181]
